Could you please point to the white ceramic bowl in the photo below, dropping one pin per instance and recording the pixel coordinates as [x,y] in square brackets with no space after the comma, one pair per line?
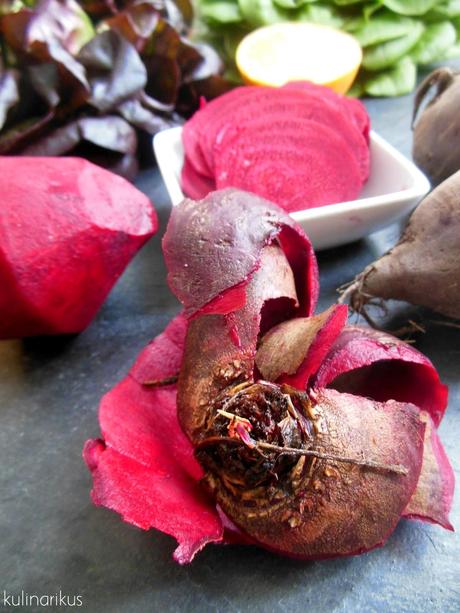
[393,189]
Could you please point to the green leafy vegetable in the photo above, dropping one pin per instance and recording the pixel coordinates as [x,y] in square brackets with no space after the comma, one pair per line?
[382,28]
[389,31]
[410,7]
[434,42]
[386,54]
[397,81]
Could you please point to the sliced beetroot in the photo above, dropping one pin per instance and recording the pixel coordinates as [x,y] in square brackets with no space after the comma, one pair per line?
[298,165]
[200,131]
[432,500]
[293,351]
[275,114]
[354,108]
[195,185]
[371,363]
[145,469]
[259,110]
[212,248]
[246,104]
[67,231]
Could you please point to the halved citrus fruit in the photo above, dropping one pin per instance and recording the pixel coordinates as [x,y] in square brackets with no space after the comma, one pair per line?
[282,52]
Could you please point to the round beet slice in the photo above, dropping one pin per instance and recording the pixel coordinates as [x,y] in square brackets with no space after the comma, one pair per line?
[198,132]
[297,166]
[353,107]
[245,105]
[282,112]
[195,185]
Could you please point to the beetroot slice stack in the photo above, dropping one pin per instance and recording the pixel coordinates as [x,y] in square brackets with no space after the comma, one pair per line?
[301,145]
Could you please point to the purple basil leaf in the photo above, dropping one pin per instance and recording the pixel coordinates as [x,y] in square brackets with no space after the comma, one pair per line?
[115,70]
[136,23]
[109,132]
[209,65]
[143,118]
[9,93]
[24,132]
[60,20]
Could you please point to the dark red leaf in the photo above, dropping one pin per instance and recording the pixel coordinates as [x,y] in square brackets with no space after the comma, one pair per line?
[115,70]
[108,132]
[135,23]
[62,21]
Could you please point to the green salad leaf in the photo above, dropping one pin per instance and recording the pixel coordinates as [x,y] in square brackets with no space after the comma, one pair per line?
[396,35]
[434,43]
[397,81]
[388,53]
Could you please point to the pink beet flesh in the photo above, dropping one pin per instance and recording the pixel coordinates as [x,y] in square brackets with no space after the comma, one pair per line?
[68,229]
[246,139]
[145,469]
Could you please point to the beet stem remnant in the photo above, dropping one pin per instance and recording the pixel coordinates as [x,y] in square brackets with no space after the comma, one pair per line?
[258,445]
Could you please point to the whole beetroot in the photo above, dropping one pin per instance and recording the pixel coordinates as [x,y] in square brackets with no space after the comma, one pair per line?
[278,414]
[435,145]
[423,268]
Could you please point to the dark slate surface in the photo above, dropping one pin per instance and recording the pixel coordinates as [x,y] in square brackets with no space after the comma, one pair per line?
[52,538]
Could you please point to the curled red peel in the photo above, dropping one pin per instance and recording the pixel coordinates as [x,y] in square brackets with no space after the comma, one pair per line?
[432,499]
[292,351]
[311,475]
[213,246]
[372,363]
[145,469]
[220,361]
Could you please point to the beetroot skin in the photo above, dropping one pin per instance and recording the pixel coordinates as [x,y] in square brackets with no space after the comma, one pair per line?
[301,145]
[67,231]
[302,453]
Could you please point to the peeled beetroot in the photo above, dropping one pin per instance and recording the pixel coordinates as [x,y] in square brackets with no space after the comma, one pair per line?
[276,452]
[301,145]
[423,268]
[67,231]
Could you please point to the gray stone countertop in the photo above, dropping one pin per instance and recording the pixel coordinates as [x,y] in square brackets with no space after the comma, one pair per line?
[52,538]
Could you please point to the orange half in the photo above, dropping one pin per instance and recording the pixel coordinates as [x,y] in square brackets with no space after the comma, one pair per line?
[283,52]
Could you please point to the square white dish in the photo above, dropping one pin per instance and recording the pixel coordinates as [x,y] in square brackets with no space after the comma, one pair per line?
[394,188]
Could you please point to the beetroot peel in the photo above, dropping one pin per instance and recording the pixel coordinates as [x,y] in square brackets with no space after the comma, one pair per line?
[331,490]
